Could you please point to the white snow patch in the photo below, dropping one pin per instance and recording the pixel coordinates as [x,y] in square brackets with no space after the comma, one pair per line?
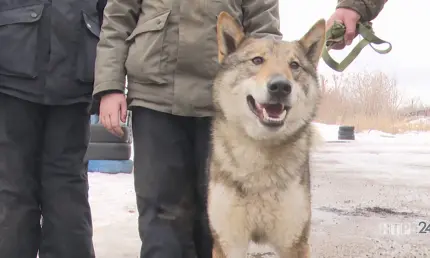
[328,132]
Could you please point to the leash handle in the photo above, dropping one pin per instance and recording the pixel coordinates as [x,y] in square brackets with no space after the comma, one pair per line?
[336,34]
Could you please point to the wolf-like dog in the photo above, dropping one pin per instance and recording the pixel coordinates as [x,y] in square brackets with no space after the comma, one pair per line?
[266,94]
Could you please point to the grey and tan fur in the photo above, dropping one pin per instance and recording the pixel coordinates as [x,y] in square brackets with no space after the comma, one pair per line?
[266,95]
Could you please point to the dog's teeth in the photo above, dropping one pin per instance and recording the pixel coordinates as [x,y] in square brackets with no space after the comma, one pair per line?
[258,106]
[283,115]
[267,118]
[265,114]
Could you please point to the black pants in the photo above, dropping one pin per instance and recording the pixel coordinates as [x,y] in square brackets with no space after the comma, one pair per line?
[170,157]
[42,173]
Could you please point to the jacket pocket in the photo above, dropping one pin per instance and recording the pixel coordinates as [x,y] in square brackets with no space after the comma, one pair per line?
[146,60]
[211,66]
[87,49]
[19,36]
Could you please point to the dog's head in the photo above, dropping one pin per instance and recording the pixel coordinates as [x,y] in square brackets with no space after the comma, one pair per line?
[270,88]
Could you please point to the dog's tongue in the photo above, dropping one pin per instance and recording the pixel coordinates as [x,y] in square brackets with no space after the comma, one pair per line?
[273,110]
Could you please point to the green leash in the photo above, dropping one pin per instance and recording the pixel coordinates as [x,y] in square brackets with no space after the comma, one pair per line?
[335,34]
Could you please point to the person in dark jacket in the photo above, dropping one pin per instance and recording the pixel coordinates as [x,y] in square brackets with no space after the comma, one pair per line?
[47,56]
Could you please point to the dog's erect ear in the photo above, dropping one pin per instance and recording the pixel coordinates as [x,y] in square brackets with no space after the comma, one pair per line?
[229,35]
[313,41]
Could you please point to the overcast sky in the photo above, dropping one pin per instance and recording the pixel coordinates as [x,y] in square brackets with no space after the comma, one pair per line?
[403,23]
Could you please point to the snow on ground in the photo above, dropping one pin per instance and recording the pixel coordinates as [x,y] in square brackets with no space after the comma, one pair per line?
[375,170]
[330,133]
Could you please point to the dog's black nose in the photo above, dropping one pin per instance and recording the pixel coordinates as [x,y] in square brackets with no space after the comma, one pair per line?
[279,86]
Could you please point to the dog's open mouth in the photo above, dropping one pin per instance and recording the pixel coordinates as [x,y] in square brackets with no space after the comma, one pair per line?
[272,114]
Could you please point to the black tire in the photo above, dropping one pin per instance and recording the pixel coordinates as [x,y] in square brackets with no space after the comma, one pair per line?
[100,135]
[346,133]
[344,128]
[108,151]
[346,137]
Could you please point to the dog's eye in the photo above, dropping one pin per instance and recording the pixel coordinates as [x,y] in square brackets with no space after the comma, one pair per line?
[294,65]
[258,60]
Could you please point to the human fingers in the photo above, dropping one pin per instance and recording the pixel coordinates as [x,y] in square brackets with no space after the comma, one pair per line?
[350,31]
[115,126]
[123,110]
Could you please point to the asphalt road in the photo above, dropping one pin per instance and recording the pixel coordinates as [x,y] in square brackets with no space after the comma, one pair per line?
[369,200]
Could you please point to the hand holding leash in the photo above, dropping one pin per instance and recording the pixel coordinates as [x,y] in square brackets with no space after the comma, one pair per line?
[341,31]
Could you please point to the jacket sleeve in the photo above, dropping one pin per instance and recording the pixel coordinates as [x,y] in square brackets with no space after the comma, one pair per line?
[261,18]
[119,20]
[368,9]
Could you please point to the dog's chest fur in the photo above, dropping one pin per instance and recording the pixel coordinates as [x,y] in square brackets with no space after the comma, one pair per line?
[264,187]
[251,168]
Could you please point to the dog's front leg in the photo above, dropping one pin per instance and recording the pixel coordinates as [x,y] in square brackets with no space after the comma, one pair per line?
[237,252]
[289,245]
[291,232]
[301,250]
[228,221]
[225,249]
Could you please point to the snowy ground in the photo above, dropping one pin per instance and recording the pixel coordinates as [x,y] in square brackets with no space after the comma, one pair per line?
[369,196]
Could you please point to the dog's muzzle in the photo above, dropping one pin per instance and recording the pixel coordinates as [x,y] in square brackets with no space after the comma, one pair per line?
[274,110]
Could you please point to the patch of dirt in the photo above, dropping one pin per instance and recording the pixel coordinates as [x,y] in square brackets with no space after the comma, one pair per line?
[368,212]
[261,255]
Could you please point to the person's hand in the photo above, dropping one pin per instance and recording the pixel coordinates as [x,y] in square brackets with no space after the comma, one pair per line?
[113,108]
[350,19]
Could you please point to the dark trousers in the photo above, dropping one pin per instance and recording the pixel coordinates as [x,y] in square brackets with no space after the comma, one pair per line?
[170,157]
[42,173]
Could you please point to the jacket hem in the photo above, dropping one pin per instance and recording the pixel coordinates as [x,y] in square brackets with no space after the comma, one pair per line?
[197,112]
[41,100]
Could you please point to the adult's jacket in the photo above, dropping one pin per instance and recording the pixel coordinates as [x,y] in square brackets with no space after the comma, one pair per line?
[168,49]
[48,49]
